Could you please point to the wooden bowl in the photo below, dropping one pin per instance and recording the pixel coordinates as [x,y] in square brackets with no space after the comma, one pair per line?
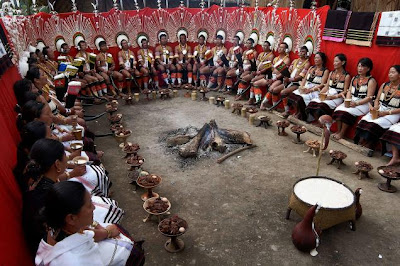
[146,204]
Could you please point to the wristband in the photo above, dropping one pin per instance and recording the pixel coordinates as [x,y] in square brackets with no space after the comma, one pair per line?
[108,232]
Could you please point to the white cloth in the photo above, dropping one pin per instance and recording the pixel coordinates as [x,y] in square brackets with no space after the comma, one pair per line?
[309,96]
[106,210]
[80,249]
[359,110]
[389,25]
[384,121]
[94,180]
[331,103]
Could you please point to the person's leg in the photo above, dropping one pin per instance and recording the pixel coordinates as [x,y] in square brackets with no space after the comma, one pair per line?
[340,134]
[144,72]
[127,76]
[204,74]
[195,71]
[275,90]
[221,78]
[230,75]
[396,157]
[173,71]
[154,76]
[107,88]
[179,74]
[118,80]
[189,69]
[213,79]
[164,74]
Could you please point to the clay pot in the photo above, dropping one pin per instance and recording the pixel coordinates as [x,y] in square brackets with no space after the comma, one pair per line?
[303,236]
[358,205]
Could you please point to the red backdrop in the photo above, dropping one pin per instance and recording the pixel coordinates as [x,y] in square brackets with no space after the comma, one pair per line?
[12,246]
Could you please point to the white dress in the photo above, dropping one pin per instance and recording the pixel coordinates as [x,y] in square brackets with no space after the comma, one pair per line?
[332,91]
[356,95]
[310,83]
[80,249]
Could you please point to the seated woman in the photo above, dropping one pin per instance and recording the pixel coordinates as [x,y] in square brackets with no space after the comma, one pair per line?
[310,86]
[391,142]
[361,92]
[335,90]
[387,110]
[74,239]
[47,165]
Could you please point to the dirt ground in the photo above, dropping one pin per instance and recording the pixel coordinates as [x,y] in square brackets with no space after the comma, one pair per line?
[236,210]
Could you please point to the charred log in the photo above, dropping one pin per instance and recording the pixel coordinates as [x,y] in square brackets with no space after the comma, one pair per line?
[210,136]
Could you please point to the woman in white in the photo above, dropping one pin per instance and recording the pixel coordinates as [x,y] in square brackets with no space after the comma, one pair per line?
[310,86]
[73,238]
[384,113]
[361,92]
[335,90]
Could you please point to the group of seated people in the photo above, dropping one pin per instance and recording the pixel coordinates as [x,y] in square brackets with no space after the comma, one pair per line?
[68,216]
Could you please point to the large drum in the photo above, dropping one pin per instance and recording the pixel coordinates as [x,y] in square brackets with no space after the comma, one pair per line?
[337,201]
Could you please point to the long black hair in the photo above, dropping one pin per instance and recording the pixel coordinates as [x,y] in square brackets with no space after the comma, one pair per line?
[29,112]
[44,153]
[62,199]
[20,88]
[323,58]
[366,62]
[397,68]
[31,133]
[342,58]
[33,73]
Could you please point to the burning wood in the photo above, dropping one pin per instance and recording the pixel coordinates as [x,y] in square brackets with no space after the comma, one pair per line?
[210,136]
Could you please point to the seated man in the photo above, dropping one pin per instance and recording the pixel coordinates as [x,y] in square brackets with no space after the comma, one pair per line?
[68,58]
[127,64]
[217,69]
[146,63]
[164,58]
[233,53]
[199,56]
[298,69]
[183,53]
[279,63]
[105,67]
[89,69]
[264,59]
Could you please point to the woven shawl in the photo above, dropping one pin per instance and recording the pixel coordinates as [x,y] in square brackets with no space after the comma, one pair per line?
[336,25]
[389,29]
[361,28]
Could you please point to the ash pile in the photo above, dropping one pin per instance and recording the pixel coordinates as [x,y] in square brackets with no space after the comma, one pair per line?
[191,144]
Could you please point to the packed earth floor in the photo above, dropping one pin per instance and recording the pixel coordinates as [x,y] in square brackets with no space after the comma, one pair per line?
[236,210]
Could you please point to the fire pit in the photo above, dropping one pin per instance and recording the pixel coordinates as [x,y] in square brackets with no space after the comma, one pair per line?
[282,125]
[156,206]
[219,101]
[148,182]
[298,130]
[390,173]
[173,227]
[165,93]
[237,107]
[264,121]
[313,146]
[337,157]
[115,118]
[363,168]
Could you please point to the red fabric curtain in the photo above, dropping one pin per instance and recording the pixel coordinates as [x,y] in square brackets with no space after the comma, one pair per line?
[12,245]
